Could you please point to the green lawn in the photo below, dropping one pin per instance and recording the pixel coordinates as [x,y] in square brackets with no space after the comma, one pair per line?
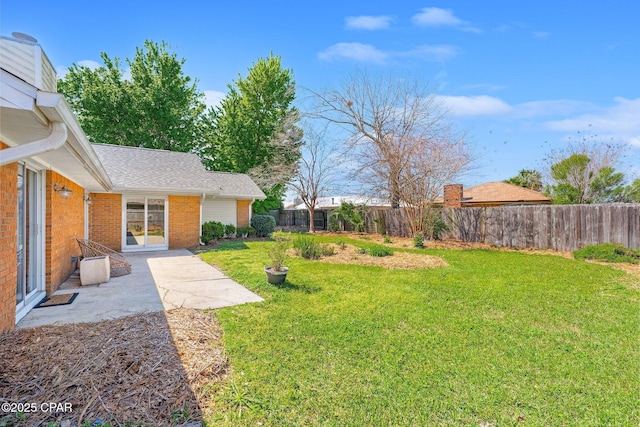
[496,338]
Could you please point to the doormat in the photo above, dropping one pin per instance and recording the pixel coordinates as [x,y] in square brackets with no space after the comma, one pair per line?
[60,299]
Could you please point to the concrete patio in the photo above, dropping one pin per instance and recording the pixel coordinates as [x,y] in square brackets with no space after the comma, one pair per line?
[159,281]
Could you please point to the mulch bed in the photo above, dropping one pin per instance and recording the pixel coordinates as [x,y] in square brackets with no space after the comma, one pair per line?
[348,254]
[148,368]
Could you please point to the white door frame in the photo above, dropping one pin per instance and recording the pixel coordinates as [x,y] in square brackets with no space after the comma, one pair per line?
[35,296]
[146,246]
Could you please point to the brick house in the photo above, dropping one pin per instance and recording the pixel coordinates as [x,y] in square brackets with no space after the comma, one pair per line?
[490,194]
[55,186]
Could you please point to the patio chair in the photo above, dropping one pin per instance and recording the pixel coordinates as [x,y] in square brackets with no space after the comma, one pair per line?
[119,265]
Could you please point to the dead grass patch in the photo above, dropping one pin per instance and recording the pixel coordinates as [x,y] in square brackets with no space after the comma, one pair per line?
[144,368]
[407,243]
[399,260]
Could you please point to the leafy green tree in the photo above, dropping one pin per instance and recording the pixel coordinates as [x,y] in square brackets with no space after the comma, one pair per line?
[254,130]
[631,193]
[156,107]
[348,213]
[576,181]
[527,178]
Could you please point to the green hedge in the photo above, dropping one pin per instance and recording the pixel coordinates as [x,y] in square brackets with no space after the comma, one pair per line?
[263,224]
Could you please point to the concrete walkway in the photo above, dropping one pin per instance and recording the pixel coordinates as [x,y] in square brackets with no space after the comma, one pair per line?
[158,281]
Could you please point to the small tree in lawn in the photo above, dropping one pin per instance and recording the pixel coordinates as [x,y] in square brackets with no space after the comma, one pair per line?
[314,172]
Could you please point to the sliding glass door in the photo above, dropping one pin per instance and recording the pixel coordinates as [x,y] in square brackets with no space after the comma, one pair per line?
[29,245]
[145,220]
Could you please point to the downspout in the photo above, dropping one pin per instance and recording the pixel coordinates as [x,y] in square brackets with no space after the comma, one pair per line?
[55,140]
[201,203]
[251,210]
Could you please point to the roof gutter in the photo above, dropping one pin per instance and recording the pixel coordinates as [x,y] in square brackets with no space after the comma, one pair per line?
[55,140]
[56,109]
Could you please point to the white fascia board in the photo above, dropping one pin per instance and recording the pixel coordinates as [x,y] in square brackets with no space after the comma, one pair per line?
[55,107]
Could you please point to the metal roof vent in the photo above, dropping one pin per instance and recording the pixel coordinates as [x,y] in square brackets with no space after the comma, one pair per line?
[24,37]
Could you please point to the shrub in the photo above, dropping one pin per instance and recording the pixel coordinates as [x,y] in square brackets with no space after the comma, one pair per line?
[608,252]
[230,230]
[434,224]
[248,231]
[263,224]
[387,239]
[380,250]
[438,228]
[418,240]
[327,250]
[212,230]
[350,214]
[308,248]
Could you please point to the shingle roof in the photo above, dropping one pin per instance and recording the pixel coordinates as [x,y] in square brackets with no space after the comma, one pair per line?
[501,192]
[144,169]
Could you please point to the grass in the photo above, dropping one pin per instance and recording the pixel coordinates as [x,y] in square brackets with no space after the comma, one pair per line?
[608,252]
[497,338]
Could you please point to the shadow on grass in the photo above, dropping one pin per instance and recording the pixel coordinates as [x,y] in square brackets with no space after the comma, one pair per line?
[289,286]
[233,245]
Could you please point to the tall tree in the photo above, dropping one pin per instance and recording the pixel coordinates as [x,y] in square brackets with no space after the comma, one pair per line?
[400,140]
[583,171]
[254,130]
[156,107]
[527,178]
[388,120]
[314,172]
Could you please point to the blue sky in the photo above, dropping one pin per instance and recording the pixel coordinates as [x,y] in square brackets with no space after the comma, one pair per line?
[518,77]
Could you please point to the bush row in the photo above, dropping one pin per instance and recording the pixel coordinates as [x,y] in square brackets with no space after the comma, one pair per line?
[212,230]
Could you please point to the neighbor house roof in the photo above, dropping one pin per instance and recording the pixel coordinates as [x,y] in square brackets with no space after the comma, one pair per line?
[335,201]
[501,192]
[144,169]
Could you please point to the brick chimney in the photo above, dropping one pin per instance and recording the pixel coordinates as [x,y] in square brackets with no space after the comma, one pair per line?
[453,196]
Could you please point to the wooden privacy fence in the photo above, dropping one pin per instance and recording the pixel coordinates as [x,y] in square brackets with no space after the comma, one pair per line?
[557,227]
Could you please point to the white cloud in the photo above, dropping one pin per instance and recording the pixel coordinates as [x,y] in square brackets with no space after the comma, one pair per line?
[620,120]
[551,107]
[90,64]
[61,71]
[483,105]
[542,35]
[212,98]
[368,22]
[437,17]
[354,51]
[438,53]
[367,53]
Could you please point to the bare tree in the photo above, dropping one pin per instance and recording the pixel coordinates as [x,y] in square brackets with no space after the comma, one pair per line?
[314,172]
[400,139]
[284,147]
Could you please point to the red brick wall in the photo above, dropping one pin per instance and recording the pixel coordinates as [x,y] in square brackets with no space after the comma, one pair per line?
[184,221]
[242,212]
[8,237]
[105,220]
[64,223]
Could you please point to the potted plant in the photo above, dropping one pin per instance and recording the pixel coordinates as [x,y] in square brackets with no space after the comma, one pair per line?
[276,271]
